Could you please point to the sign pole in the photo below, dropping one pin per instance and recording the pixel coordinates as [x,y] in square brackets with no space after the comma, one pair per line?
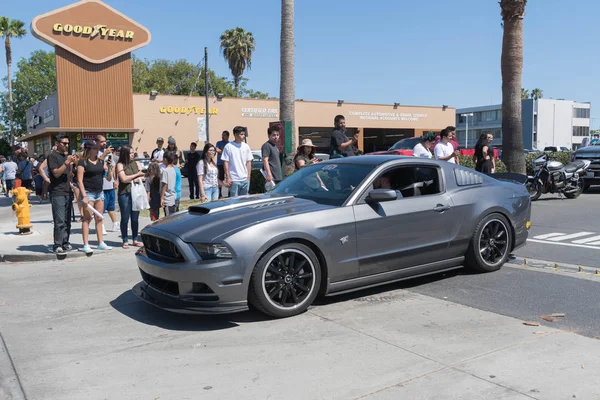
[206,90]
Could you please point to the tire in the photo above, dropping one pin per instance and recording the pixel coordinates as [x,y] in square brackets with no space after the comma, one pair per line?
[499,247]
[277,289]
[534,189]
[580,189]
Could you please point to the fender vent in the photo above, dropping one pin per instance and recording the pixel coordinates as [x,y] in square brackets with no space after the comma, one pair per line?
[465,177]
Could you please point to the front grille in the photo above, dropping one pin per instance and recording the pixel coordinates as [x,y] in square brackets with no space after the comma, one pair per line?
[161,284]
[161,249]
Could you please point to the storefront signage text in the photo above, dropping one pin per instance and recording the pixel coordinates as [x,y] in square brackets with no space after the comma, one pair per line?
[259,112]
[387,116]
[92,31]
[188,110]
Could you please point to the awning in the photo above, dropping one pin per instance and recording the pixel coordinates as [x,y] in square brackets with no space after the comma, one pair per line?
[44,131]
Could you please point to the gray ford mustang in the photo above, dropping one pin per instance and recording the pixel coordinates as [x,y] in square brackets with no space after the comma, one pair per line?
[331,227]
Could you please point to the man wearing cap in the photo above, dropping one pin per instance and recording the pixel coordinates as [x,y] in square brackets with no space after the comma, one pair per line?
[159,152]
[237,162]
[270,155]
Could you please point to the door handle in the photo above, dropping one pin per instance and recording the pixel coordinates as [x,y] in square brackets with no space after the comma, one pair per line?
[441,208]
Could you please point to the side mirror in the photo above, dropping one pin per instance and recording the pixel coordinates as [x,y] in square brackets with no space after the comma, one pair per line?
[379,195]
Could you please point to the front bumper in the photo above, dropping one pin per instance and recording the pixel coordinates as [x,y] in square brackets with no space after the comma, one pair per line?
[192,285]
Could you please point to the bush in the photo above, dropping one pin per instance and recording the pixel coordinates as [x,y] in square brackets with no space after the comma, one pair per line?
[467,161]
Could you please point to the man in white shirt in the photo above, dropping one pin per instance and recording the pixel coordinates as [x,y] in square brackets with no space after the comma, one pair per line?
[423,149]
[444,150]
[237,162]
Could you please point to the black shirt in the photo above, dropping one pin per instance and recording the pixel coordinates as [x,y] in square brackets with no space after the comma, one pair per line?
[192,162]
[59,186]
[271,151]
[337,138]
[92,175]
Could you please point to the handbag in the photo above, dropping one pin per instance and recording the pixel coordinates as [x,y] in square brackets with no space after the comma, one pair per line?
[139,197]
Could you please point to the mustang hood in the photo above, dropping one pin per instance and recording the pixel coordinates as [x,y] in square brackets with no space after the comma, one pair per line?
[589,150]
[211,220]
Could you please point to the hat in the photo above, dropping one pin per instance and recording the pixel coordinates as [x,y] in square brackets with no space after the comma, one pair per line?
[91,144]
[171,140]
[159,139]
[307,142]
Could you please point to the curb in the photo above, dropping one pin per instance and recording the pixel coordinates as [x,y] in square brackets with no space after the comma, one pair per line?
[10,384]
[33,257]
[563,267]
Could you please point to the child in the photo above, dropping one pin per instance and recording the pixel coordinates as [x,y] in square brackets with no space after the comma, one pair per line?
[153,189]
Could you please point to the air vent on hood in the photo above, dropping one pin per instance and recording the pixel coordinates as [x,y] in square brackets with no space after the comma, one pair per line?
[220,206]
[199,210]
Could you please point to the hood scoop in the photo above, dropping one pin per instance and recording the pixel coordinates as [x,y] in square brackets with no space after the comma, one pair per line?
[217,207]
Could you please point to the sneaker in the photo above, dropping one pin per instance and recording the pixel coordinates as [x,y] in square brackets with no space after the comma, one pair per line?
[59,250]
[86,249]
[68,247]
[103,246]
[115,227]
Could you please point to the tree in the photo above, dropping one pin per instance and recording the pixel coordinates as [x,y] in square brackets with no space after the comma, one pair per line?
[9,29]
[237,46]
[35,79]
[524,93]
[537,93]
[286,84]
[513,12]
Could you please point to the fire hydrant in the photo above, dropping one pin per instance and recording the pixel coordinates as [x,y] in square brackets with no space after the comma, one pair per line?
[21,208]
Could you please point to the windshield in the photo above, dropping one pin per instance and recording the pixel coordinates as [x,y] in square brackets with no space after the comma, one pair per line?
[328,183]
[405,144]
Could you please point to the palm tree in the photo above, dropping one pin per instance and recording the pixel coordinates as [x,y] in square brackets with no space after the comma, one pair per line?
[512,12]
[524,93]
[537,93]
[11,28]
[286,83]
[237,46]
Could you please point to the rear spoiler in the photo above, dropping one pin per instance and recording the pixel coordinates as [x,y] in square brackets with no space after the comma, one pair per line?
[510,177]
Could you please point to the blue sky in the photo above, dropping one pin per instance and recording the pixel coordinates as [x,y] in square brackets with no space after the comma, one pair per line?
[414,52]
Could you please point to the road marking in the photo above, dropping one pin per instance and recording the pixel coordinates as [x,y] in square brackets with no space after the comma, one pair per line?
[588,240]
[571,236]
[585,246]
[548,235]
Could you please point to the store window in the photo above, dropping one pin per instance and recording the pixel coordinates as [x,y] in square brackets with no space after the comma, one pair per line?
[581,113]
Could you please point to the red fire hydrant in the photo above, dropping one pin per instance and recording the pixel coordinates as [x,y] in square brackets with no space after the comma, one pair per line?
[21,208]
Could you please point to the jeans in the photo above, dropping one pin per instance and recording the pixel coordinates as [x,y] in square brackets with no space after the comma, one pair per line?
[212,193]
[10,184]
[194,186]
[61,215]
[238,188]
[125,206]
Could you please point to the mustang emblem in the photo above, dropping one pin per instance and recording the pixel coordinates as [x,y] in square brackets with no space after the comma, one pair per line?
[344,240]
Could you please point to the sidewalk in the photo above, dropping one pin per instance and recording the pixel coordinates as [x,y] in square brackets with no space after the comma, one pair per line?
[38,245]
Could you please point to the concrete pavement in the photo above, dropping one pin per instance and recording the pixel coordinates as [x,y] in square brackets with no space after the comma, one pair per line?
[74,330]
[38,245]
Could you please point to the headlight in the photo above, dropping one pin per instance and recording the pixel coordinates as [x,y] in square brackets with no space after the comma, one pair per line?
[213,251]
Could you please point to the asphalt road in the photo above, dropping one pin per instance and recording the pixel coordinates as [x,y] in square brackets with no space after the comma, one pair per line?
[565,230]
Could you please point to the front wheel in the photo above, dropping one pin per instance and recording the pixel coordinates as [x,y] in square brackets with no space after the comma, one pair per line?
[534,187]
[490,244]
[285,281]
[576,193]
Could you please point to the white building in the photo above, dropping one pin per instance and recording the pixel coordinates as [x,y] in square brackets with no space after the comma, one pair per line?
[545,122]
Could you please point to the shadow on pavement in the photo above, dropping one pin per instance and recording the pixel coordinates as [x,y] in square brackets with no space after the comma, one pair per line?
[129,305]
[36,248]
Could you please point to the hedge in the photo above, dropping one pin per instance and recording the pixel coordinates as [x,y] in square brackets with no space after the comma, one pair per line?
[562,156]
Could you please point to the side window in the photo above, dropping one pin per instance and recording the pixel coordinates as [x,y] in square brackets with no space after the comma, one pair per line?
[409,181]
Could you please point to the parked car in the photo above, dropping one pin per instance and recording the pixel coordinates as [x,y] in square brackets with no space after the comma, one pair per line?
[329,228]
[404,147]
[144,162]
[591,153]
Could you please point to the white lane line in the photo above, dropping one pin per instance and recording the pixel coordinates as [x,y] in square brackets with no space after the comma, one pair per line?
[571,236]
[588,240]
[585,246]
[548,235]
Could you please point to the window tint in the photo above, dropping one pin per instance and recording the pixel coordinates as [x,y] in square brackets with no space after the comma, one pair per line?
[410,181]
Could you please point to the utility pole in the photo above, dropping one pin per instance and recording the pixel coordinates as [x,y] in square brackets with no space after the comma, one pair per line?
[206,91]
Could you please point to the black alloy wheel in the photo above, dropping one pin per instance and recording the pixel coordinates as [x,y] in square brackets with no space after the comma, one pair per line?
[490,244]
[285,281]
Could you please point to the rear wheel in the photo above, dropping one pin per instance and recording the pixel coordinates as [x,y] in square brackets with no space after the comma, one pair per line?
[535,189]
[285,281]
[490,244]
[575,194]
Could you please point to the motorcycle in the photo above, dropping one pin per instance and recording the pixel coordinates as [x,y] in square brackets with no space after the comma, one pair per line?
[552,176]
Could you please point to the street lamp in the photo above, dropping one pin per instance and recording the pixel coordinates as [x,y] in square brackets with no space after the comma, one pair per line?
[467,130]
